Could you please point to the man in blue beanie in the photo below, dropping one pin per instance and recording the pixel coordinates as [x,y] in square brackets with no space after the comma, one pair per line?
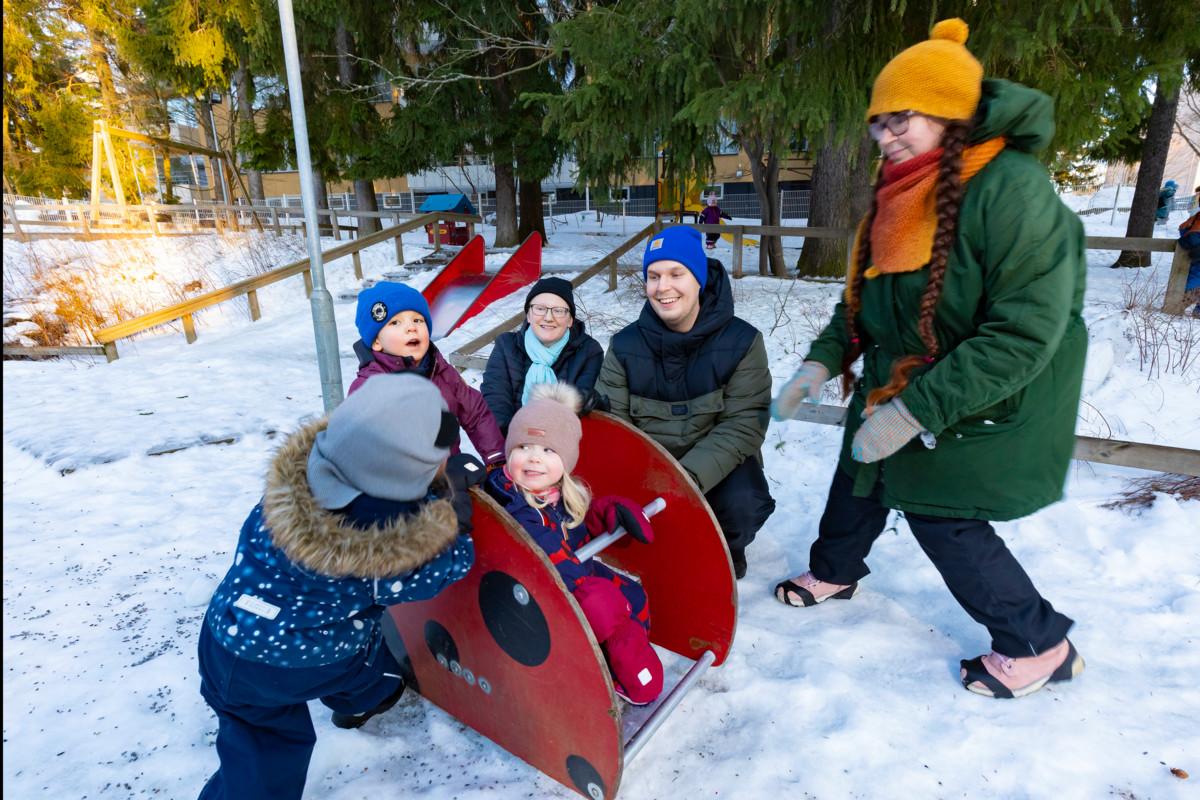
[694,377]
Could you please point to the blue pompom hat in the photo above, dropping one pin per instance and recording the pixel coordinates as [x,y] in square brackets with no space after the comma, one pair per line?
[678,243]
[383,301]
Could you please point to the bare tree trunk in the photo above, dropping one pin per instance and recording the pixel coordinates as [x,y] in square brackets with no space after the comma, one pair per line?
[506,200]
[243,80]
[321,197]
[364,188]
[764,169]
[529,198]
[840,197]
[213,143]
[104,75]
[1150,173]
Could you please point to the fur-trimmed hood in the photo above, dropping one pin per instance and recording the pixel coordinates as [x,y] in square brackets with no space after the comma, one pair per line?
[324,542]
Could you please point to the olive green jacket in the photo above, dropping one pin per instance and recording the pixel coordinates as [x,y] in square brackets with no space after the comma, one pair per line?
[704,395]
[1003,394]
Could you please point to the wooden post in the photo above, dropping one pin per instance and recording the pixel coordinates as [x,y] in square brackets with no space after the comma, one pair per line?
[152,218]
[399,249]
[252,300]
[307,283]
[111,153]
[189,328]
[333,223]
[97,168]
[275,221]
[1174,301]
[737,252]
[110,351]
[612,274]
[437,235]
[357,264]
[16,223]
[84,228]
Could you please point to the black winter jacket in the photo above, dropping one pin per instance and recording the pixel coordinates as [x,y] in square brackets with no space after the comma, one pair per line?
[504,379]
[704,394]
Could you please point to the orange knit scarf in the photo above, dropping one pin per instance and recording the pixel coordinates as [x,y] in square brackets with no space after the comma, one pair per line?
[906,211]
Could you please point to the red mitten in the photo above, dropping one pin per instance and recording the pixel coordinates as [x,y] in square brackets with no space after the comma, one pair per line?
[635,666]
[605,608]
[611,511]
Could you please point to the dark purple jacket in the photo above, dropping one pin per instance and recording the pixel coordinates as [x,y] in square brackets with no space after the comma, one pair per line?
[711,215]
[465,403]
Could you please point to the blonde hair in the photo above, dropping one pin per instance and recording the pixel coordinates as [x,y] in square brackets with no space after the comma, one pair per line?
[576,498]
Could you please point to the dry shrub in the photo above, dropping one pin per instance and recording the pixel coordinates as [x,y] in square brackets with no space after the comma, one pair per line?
[1141,493]
[72,292]
[1165,342]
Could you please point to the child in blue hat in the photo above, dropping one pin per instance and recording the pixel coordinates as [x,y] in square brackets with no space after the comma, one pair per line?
[393,321]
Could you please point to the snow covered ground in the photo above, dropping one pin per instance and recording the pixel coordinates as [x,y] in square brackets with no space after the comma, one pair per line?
[125,485]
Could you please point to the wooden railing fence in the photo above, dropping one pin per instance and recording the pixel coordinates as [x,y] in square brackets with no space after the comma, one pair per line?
[154,219]
[185,311]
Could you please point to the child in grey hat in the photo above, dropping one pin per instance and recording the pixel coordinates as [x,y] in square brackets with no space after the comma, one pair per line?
[359,513]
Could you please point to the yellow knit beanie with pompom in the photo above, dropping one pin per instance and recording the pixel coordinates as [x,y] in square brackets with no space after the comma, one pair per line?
[938,77]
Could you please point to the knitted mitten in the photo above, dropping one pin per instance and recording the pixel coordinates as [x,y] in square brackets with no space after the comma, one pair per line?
[883,432]
[805,386]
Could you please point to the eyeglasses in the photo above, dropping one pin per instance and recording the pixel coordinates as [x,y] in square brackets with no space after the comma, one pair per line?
[559,312]
[896,124]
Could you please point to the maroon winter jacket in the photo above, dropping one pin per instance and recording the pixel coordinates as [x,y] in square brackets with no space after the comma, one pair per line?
[465,403]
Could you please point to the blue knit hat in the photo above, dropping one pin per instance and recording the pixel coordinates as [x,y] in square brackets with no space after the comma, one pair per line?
[383,301]
[678,243]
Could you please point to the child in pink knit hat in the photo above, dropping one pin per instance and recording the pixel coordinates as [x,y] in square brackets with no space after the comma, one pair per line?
[537,489]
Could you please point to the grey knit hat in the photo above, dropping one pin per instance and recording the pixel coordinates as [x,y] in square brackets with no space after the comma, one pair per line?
[381,441]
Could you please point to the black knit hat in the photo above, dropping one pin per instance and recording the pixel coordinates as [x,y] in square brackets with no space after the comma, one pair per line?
[557,286]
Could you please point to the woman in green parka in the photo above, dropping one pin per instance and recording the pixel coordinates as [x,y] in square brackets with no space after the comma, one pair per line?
[963,301]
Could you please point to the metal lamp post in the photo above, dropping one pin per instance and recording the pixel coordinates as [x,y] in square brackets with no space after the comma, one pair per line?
[324,325]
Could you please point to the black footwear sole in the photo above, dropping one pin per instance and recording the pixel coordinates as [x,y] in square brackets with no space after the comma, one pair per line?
[352,721]
[979,681]
[806,597]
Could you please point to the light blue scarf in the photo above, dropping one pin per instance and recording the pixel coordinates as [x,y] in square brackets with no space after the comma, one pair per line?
[543,358]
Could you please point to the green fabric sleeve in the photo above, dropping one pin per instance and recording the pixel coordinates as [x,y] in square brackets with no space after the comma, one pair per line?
[613,384]
[830,347]
[1031,250]
[742,427]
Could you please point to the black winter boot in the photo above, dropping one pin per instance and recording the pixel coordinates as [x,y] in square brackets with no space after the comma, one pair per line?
[738,554]
[349,721]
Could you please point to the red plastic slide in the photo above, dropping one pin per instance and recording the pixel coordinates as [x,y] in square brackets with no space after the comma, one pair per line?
[463,289]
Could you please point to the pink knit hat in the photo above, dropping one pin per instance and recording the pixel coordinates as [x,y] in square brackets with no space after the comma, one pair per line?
[551,419]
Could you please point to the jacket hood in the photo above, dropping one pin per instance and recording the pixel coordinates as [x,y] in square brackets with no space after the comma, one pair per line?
[1023,116]
[325,542]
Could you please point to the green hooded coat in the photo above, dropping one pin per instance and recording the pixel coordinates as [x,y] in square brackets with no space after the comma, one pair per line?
[1003,393]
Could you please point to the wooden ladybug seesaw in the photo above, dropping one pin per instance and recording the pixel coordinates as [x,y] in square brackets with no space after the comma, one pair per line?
[507,650]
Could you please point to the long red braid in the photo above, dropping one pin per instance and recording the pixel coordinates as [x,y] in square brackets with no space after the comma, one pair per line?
[949,193]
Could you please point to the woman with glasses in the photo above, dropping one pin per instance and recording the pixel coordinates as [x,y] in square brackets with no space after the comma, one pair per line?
[963,300]
[550,347]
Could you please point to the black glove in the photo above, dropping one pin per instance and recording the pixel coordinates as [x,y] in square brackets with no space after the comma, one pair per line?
[462,472]
[594,401]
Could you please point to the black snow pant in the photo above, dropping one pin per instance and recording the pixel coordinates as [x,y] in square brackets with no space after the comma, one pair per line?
[265,735]
[741,502]
[984,577]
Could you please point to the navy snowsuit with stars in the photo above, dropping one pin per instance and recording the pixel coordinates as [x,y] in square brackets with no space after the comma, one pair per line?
[549,527]
[279,633]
